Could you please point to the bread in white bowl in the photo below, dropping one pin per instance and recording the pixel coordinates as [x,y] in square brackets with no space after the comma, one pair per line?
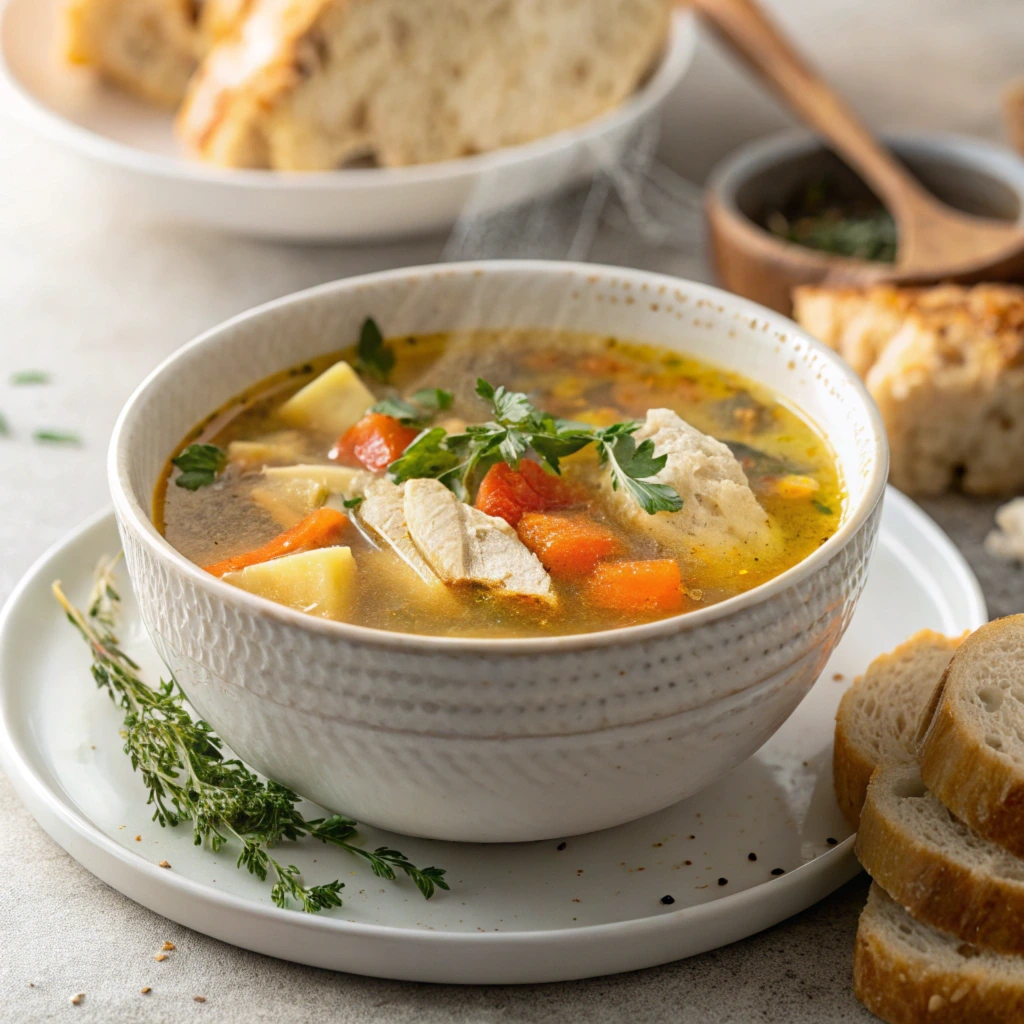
[148,47]
[312,84]
[907,972]
[878,717]
[936,867]
[972,752]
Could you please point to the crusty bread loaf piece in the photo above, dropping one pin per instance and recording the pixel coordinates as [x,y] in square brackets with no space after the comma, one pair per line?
[935,867]
[972,752]
[149,47]
[311,84]
[879,714]
[946,367]
[906,972]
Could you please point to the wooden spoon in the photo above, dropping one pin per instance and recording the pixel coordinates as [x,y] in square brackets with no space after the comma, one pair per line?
[934,240]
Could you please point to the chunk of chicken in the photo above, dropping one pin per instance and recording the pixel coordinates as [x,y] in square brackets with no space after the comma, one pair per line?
[383,512]
[720,512]
[464,545]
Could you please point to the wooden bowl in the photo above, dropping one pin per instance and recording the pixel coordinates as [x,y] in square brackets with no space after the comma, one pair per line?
[974,176]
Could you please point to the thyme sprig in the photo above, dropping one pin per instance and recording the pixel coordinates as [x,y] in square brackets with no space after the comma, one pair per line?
[183,767]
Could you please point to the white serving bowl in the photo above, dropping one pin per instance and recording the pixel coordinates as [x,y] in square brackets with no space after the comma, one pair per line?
[135,146]
[497,740]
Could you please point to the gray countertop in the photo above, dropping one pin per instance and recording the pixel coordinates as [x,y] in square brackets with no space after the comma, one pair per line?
[94,293]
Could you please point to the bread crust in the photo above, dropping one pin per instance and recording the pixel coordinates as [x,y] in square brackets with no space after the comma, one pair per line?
[852,765]
[851,773]
[982,786]
[905,991]
[956,898]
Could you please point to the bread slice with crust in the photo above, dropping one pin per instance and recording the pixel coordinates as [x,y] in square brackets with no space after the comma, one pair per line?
[879,715]
[945,366]
[935,867]
[906,972]
[972,751]
[311,84]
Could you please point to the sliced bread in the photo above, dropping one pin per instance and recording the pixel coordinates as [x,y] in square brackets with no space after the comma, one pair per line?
[938,869]
[906,972]
[946,367]
[879,715]
[311,84]
[972,751]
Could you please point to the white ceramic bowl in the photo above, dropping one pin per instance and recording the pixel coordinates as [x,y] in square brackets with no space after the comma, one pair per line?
[135,145]
[497,740]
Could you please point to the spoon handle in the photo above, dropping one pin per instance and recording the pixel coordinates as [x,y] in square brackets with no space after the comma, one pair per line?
[746,28]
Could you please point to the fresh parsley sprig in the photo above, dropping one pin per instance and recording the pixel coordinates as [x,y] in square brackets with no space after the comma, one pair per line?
[419,409]
[517,428]
[199,465]
[374,357]
[182,765]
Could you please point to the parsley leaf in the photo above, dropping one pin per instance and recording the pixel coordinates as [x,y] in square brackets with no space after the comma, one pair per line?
[427,456]
[374,357]
[631,464]
[419,410]
[459,460]
[199,465]
[353,502]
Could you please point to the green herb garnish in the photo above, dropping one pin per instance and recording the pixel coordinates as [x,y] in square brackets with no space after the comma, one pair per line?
[823,216]
[30,377]
[188,778]
[821,507]
[199,465]
[354,502]
[417,411]
[57,436]
[460,460]
[373,356]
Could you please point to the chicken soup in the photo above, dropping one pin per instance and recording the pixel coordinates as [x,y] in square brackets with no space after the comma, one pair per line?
[500,484]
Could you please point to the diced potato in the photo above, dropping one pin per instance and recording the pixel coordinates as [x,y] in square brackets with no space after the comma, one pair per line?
[283,446]
[331,403]
[289,499]
[337,479]
[320,582]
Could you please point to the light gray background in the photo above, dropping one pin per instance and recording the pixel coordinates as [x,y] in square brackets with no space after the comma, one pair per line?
[97,295]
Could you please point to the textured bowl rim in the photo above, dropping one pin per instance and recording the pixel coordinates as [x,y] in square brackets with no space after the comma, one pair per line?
[759,155]
[138,520]
[666,75]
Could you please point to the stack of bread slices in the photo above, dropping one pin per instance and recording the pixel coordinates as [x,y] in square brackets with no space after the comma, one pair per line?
[937,726]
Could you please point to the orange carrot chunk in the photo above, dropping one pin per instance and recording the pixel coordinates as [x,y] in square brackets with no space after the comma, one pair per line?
[318,530]
[566,544]
[375,442]
[654,586]
[509,494]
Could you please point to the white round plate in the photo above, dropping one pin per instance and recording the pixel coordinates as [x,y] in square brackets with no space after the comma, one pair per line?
[135,143]
[528,912]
